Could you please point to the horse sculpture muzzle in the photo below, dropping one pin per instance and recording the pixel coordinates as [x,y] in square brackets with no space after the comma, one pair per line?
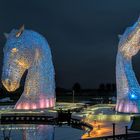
[10,85]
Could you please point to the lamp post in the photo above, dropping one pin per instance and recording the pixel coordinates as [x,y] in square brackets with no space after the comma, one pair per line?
[73,92]
[54,132]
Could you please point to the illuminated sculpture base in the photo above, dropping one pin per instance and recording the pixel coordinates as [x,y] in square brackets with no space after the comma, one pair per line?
[42,103]
[127,106]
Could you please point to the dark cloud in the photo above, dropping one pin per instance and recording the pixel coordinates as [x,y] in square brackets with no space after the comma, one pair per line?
[81,33]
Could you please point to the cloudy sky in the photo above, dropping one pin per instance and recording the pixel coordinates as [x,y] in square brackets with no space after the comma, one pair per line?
[82,34]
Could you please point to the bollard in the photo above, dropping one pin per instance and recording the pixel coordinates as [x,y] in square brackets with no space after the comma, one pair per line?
[113,131]
[88,133]
[126,132]
[99,127]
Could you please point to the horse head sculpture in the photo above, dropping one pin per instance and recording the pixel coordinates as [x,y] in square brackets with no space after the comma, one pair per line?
[28,50]
[128,89]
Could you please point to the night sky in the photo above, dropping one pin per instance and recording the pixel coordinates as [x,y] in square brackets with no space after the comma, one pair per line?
[82,34]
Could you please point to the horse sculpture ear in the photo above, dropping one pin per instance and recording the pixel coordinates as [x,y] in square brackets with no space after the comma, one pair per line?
[20,31]
[119,36]
[6,35]
[139,19]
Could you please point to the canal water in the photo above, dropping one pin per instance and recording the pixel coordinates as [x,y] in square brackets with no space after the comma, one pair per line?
[39,132]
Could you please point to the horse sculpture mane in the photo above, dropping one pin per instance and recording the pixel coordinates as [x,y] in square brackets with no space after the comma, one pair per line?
[28,50]
[128,89]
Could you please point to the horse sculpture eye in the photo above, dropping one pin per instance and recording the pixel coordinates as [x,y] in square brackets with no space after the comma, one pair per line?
[14,50]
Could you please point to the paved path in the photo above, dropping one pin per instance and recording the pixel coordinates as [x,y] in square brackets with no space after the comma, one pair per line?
[102,129]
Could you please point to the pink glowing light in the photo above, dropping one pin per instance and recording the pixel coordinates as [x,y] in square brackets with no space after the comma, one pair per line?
[26,106]
[18,106]
[51,102]
[127,107]
[42,103]
[47,103]
[33,106]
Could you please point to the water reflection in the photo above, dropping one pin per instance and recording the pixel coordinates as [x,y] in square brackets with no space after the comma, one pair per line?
[26,132]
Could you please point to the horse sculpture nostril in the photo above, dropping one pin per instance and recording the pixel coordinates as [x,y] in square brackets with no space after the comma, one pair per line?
[7,81]
[10,85]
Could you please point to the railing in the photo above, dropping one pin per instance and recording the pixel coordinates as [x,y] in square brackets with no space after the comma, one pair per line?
[134,136]
[18,119]
[112,118]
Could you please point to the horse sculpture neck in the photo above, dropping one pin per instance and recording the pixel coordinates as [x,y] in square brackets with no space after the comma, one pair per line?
[126,78]
[127,85]
[39,85]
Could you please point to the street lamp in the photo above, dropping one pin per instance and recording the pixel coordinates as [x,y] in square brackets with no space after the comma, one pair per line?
[73,95]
